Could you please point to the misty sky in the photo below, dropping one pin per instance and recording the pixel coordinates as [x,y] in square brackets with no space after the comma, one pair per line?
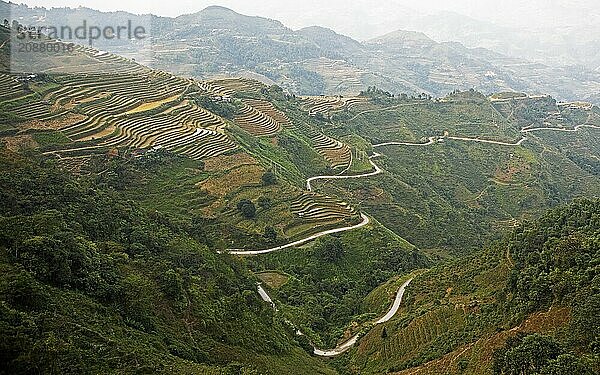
[360,18]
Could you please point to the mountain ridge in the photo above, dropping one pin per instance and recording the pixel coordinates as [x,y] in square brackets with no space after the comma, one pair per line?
[315,61]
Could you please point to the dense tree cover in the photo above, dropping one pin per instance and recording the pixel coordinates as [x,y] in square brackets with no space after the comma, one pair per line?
[222,108]
[330,250]
[330,280]
[269,178]
[556,262]
[378,96]
[556,257]
[270,234]
[537,354]
[92,283]
[532,112]
[247,208]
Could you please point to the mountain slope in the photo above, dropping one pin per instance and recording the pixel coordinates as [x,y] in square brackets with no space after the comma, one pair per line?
[123,188]
[485,314]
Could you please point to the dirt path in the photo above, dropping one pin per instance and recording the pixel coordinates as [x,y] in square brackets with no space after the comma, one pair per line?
[365,221]
[346,345]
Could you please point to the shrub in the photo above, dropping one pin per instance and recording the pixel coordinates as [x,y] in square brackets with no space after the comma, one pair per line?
[270,234]
[247,208]
[264,202]
[269,178]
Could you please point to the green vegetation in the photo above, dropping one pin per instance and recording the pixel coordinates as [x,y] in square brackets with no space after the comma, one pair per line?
[247,208]
[536,354]
[89,279]
[269,178]
[117,266]
[329,280]
[456,195]
[482,309]
[50,138]
[556,263]
[221,108]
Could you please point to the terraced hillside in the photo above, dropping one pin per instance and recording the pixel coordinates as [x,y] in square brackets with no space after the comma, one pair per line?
[119,104]
[269,109]
[257,122]
[229,86]
[323,105]
[337,154]
[473,157]
[311,205]
[9,87]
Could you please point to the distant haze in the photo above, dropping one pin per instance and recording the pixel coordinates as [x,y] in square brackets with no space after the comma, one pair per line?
[364,19]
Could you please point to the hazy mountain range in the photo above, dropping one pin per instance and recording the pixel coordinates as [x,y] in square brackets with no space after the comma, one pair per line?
[220,42]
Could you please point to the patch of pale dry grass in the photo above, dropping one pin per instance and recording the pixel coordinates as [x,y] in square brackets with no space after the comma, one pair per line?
[233,179]
[227,162]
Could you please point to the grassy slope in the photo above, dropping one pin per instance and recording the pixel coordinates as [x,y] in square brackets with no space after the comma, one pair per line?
[455,195]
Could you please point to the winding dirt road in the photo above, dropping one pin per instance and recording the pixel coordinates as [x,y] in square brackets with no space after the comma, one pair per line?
[575,129]
[431,140]
[346,345]
[377,170]
[488,141]
[365,221]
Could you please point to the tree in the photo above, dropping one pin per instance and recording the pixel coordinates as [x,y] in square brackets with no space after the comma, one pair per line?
[269,178]
[525,354]
[566,364]
[247,208]
[270,234]
[331,250]
[384,333]
[172,284]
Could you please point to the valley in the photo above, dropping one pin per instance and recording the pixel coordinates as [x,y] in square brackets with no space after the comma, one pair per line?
[409,233]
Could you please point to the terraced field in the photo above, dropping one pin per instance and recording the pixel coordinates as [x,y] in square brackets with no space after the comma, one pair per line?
[35,110]
[317,207]
[336,153]
[122,104]
[339,76]
[257,122]
[9,87]
[269,109]
[419,333]
[324,105]
[229,86]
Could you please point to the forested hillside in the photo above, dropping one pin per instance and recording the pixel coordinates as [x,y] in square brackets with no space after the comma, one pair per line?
[525,305]
[92,283]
